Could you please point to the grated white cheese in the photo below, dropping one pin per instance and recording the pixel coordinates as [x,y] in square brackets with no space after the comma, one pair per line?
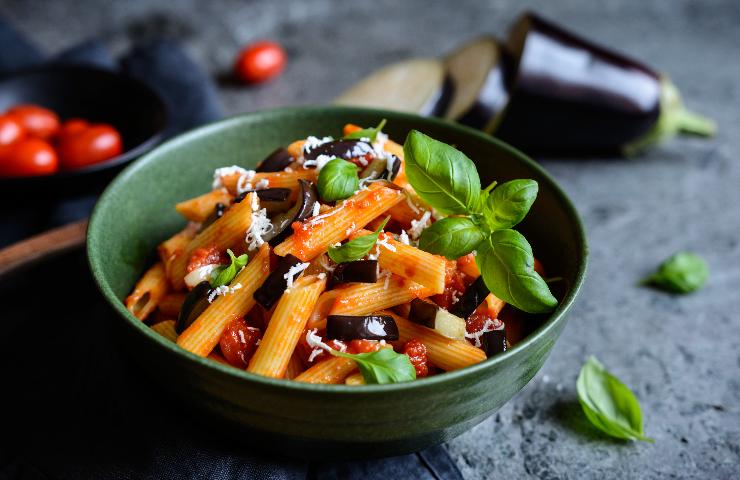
[222,290]
[242,339]
[404,238]
[226,171]
[200,274]
[368,179]
[351,229]
[320,219]
[411,205]
[384,242]
[316,209]
[488,326]
[418,226]
[262,184]
[255,202]
[325,264]
[319,163]
[314,341]
[260,226]
[313,142]
[294,270]
[387,275]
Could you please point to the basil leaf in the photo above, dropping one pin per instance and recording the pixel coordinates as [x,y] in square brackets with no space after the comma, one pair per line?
[338,180]
[684,272]
[441,175]
[382,366]
[357,248]
[452,237]
[223,275]
[509,203]
[608,404]
[371,133]
[506,262]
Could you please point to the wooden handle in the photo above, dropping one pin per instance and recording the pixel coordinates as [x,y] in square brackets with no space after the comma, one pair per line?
[49,243]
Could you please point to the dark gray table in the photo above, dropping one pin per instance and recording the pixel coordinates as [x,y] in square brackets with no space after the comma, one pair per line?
[681,355]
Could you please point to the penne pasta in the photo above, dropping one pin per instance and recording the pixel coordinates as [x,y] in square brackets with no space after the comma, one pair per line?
[148,292]
[410,209]
[333,370]
[295,149]
[410,262]
[446,353]
[365,298]
[355,379]
[233,184]
[171,304]
[314,236]
[198,209]
[322,309]
[217,357]
[295,367]
[174,246]
[286,326]
[224,233]
[166,328]
[204,333]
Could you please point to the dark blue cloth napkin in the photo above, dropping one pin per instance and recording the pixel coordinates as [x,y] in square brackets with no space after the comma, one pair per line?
[72,406]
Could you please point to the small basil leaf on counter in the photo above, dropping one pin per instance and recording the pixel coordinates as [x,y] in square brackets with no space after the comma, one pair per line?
[452,237]
[357,248]
[224,274]
[370,133]
[441,175]
[382,366]
[608,404]
[507,265]
[338,180]
[684,272]
[509,203]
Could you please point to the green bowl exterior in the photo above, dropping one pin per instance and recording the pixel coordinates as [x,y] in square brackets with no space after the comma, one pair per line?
[319,421]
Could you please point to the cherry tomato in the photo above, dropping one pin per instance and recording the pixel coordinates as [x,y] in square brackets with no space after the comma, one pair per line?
[30,156]
[239,342]
[10,130]
[38,121]
[73,126]
[417,353]
[259,62]
[91,145]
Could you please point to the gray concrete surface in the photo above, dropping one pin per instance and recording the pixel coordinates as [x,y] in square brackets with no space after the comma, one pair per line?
[681,355]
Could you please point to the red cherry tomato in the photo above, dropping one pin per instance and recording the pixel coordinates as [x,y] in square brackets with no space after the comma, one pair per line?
[91,145]
[239,342]
[259,62]
[73,126]
[38,121]
[30,156]
[10,130]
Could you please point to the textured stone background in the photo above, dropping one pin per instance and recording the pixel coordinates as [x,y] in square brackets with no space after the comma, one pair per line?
[681,355]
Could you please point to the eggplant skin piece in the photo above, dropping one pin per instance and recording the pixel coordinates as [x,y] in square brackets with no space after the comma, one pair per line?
[423,312]
[275,162]
[493,342]
[361,271]
[302,209]
[473,296]
[195,303]
[569,95]
[276,283]
[363,327]
[217,213]
[346,149]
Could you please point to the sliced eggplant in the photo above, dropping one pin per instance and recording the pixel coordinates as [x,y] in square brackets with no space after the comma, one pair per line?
[346,149]
[494,342]
[378,169]
[361,271]
[417,86]
[364,327]
[433,316]
[473,296]
[477,70]
[301,210]
[276,283]
[194,304]
[217,213]
[275,162]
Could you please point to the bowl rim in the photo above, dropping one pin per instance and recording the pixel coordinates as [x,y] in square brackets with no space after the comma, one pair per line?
[557,316]
[124,157]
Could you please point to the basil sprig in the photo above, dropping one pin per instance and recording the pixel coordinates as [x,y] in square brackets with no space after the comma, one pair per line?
[224,274]
[338,180]
[684,272]
[448,181]
[370,133]
[608,404]
[382,366]
[357,248]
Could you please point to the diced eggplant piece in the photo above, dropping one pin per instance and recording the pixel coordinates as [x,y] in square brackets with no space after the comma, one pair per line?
[275,162]
[477,73]
[378,169]
[276,283]
[344,148]
[194,304]
[274,200]
[361,271]
[217,213]
[433,316]
[364,327]
[416,86]
[494,342]
[302,209]
[473,296]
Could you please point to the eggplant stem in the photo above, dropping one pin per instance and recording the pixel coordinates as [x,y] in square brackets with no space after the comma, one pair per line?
[694,124]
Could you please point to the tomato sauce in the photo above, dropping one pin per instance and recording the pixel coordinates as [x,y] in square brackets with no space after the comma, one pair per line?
[206,256]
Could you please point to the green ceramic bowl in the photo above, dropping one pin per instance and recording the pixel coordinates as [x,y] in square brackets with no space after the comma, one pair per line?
[319,421]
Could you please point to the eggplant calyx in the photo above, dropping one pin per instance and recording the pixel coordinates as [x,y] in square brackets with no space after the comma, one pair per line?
[674,118]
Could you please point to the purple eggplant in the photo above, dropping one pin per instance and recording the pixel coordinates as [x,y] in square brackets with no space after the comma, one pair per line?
[276,283]
[364,327]
[346,149]
[361,271]
[493,342]
[195,303]
[475,294]
[302,209]
[570,95]
[433,316]
[275,162]
[217,213]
